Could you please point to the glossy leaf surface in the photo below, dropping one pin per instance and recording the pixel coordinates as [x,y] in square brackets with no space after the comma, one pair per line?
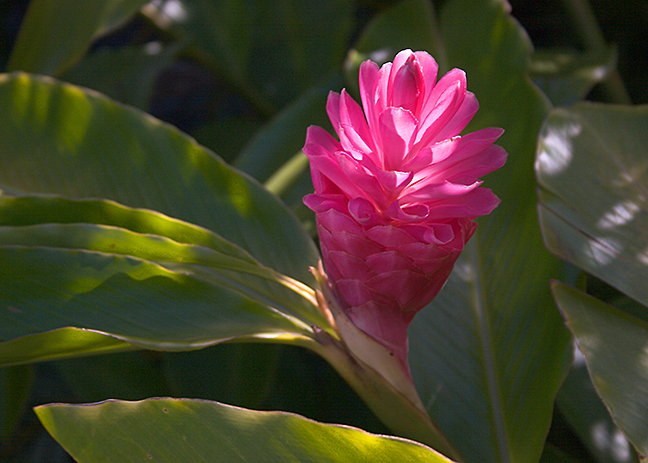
[614,346]
[81,137]
[591,164]
[103,226]
[194,430]
[135,300]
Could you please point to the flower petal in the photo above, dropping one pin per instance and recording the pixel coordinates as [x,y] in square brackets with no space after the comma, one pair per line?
[396,127]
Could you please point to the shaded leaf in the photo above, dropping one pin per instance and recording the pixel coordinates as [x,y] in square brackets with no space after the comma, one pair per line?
[124,375]
[284,136]
[126,74]
[614,346]
[566,77]
[194,430]
[56,33]
[589,419]
[592,165]
[270,51]
[15,385]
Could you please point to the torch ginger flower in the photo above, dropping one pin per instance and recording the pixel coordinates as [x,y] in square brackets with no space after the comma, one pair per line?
[395,198]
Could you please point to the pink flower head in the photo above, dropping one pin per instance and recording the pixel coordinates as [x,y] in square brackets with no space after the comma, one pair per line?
[395,197]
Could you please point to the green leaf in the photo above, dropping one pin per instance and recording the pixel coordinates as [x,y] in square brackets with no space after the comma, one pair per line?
[566,77]
[491,350]
[134,300]
[181,430]
[93,147]
[56,33]
[94,225]
[614,346]
[57,344]
[591,165]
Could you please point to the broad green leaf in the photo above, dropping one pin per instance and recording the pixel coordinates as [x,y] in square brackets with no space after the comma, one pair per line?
[134,300]
[56,344]
[56,33]
[614,346]
[490,352]
[591,164]
[181,430]
[58,139]
[94,226]
[566,77]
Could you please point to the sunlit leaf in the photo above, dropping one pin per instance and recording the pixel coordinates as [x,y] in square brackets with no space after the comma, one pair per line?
[134,300]
[93,147]
[58,343]
[95,225]
[181,430]
[592,165]
[614,346]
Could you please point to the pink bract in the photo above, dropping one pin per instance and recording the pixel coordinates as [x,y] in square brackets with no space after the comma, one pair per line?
[396,196]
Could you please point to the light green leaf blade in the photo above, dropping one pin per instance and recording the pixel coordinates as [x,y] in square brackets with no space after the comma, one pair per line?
[491,350]
[592,165]
[93,147]
[614,346]
[134,300]
[58,344]
[57,33]
[95,225]
[181,430]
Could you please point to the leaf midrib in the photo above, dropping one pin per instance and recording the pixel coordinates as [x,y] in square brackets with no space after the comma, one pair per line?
[486,343]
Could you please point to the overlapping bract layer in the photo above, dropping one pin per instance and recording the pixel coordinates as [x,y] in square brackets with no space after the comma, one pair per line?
[395,197]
